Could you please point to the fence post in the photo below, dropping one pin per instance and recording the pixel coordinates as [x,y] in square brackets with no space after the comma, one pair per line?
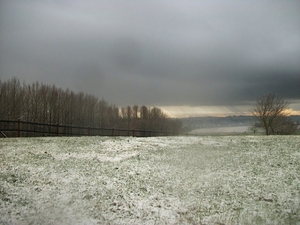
[113,131]
[19,127]
[132,132]
[56,128]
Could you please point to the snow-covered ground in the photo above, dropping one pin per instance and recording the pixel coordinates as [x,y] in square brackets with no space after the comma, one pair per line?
[158,180]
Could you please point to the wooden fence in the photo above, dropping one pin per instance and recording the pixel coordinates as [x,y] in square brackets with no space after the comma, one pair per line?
[18,128]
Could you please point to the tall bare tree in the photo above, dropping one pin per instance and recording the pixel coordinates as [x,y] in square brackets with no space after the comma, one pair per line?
[271,112]
[135,111]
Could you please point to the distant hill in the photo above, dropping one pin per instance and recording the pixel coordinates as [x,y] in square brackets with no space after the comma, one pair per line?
[193,123]
[232,130]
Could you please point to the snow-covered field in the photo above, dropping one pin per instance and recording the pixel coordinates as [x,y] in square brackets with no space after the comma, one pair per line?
[158,180]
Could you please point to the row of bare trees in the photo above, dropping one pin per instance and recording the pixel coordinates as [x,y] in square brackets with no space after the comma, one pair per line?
[48,104]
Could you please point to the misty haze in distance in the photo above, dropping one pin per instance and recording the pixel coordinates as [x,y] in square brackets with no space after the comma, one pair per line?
[188,57]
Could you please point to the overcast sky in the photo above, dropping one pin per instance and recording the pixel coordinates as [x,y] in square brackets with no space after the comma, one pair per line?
[188,57]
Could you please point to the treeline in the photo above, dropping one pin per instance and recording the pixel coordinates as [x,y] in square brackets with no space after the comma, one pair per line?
[48,104]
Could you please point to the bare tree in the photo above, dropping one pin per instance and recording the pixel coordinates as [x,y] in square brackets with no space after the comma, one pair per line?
[102,113]
[135,113]
[271,112]
[144,112]
[284,126]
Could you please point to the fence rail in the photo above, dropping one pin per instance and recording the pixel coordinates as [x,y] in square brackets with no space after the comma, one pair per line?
[18,128]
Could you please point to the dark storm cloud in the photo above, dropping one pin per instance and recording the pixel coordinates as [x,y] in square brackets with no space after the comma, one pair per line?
[155,52]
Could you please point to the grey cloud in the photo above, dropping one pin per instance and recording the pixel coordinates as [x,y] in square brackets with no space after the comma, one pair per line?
[155,52]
